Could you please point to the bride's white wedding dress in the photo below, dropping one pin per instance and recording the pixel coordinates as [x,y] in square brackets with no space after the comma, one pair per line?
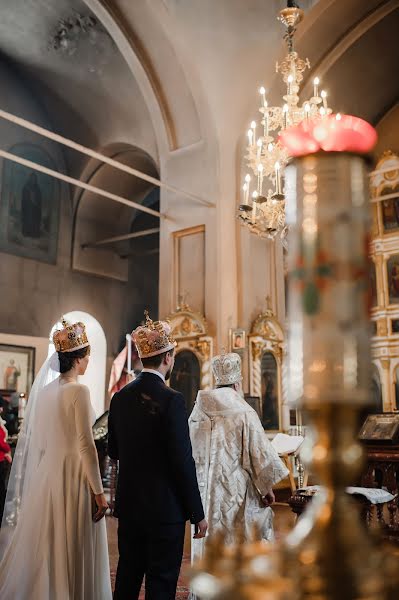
[56,551]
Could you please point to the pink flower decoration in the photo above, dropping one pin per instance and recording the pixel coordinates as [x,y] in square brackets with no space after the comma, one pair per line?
[333,133]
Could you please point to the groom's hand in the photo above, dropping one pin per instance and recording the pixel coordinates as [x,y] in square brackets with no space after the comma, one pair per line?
[200,529]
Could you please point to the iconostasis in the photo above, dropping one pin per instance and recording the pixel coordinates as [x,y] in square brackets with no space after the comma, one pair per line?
[384,282]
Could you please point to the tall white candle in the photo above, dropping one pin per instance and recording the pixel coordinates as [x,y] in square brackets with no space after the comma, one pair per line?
[259,149]
[316,82]
[129,352]
[245,190]
[262,92]
[285,116]
[253,127]
[247,182]
[254,196]
[278,180]
[260,178]
[21,407]
[266,121]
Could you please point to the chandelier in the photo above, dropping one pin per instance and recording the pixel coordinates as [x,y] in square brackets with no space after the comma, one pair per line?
[263,207]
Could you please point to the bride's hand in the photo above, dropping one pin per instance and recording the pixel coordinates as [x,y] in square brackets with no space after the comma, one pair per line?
[102,507]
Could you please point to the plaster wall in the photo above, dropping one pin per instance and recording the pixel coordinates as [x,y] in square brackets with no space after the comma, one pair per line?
[34,294]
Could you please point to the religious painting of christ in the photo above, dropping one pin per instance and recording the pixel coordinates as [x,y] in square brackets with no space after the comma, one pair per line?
[29,207]
[270,392]
[393,279]
[186,377]
[373,284]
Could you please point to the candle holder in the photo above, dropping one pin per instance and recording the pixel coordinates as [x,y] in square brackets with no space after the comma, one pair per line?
[329,554]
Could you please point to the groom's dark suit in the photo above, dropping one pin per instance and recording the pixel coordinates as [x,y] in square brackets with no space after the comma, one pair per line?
[157,488]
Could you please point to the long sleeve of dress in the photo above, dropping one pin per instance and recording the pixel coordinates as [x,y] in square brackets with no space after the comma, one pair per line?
[260,459]
[87,448]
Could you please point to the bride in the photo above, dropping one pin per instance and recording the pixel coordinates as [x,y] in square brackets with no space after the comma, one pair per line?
[53,542]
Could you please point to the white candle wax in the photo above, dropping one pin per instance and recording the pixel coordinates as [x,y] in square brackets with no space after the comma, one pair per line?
[316,82]
[129,352]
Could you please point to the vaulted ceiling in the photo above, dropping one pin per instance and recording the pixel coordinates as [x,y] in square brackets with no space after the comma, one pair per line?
[170,73]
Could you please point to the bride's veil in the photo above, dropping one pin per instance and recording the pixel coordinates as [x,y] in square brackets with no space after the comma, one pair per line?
[27,454]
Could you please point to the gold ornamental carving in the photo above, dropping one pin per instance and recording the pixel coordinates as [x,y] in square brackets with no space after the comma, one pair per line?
[257,348]
[204,349]
[186,323]
[267,326]
[385,177]
[382,328]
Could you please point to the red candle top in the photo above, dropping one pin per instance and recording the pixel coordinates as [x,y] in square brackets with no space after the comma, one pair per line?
[333,133]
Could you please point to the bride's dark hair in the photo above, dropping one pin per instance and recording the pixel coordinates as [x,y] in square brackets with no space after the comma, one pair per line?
[67,359]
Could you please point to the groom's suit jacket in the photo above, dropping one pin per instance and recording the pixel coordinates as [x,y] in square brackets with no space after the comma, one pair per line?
[148,433]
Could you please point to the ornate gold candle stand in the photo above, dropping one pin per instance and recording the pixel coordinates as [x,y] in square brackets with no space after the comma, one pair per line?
[241,571]
[329,554]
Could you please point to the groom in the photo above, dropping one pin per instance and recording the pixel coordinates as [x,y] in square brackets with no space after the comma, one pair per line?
[157,488]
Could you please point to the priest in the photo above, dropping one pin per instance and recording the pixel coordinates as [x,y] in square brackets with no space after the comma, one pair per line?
[236,464]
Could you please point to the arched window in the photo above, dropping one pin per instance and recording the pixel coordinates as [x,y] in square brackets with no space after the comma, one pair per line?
[94,377]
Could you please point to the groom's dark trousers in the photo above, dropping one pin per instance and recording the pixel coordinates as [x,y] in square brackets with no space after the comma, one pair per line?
[157,489]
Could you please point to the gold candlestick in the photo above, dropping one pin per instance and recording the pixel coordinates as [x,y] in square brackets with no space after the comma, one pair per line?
[329,554]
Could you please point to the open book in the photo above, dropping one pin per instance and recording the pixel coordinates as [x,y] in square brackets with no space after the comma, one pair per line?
[287,444]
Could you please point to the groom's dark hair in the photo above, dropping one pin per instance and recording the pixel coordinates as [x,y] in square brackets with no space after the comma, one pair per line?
[153,362]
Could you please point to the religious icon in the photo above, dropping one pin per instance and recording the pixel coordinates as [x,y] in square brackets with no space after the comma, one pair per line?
[393,279]
[11,374]
[376,390]
[237,339]
[390,214]
[29,207]
[16,368]
[255,403]
[270,392]
[186,377]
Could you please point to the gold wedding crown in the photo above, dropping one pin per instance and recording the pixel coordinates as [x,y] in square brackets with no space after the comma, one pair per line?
[227,368]
[71,337]
[155,337]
